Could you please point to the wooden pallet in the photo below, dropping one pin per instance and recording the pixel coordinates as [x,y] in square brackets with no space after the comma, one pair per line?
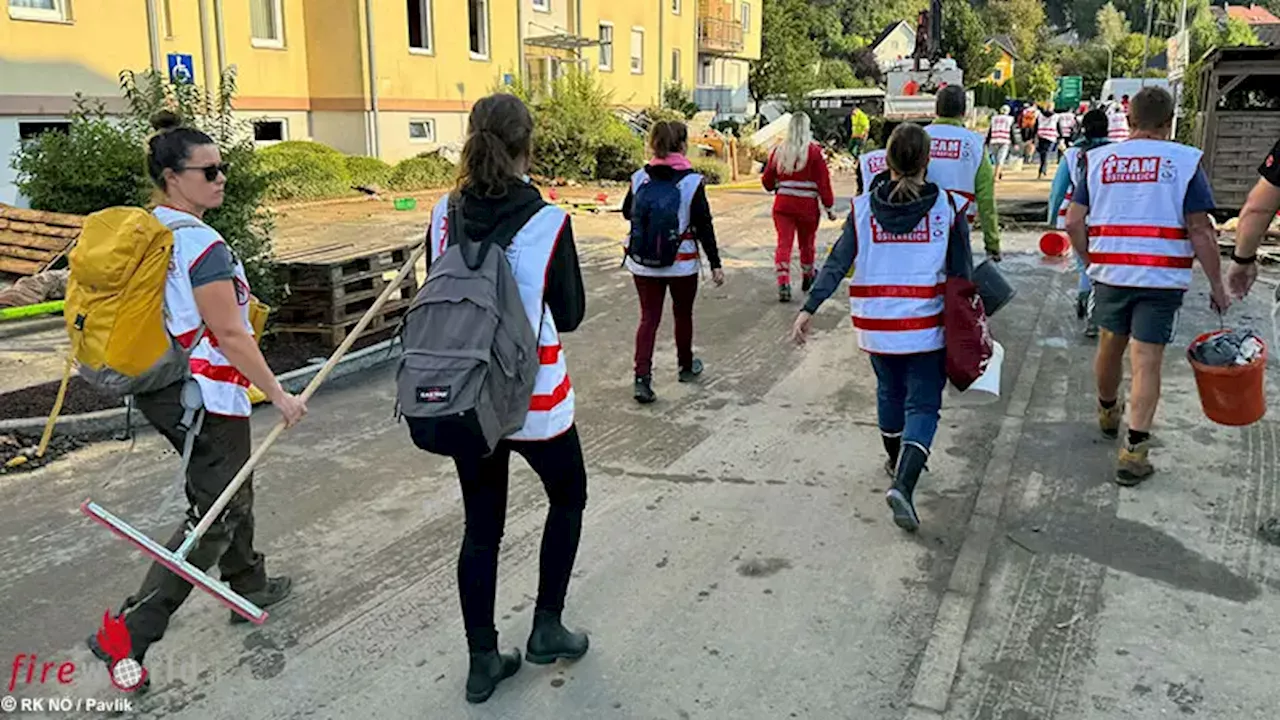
[32,241]
[384,324]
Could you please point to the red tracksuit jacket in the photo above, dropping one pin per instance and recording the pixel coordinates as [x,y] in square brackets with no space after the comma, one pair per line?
[799,193]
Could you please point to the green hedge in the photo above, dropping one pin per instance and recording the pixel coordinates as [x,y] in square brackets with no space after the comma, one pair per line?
[367,171]
[422,172]
[300,170]
[714,171]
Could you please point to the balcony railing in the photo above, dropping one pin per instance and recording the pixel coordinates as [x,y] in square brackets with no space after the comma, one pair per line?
[722,98]
[720,36]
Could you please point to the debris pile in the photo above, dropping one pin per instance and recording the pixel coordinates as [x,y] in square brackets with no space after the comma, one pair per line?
[1231,347]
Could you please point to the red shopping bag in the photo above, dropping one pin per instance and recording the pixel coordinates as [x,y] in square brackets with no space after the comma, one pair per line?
[969,343]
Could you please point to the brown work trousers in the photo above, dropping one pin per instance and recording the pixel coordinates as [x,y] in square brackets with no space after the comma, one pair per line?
[221,448]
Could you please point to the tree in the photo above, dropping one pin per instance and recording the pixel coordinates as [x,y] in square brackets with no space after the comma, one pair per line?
[836,73]
[788,53]
[1021,20]
[1041,83]
[963,35]
[1112,25]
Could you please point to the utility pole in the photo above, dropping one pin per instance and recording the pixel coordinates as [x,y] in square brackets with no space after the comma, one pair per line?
[1146,43]
[1182,79]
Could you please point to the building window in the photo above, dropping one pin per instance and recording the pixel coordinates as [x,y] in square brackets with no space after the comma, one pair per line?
[746,17]
[51,10]
[637,50]
[478,17]
[706,73]
[997,74]
[675,66]
[606,46]
[675,7]
[266,23]
[33,129]
[422,131]
[267,132]
[543,5]
[420,25]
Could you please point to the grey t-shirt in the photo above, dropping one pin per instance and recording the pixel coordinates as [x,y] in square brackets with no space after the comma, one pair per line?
[216,264]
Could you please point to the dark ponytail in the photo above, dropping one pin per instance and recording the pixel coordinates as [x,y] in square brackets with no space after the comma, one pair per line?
[499,133]
[908,157]
[171,145]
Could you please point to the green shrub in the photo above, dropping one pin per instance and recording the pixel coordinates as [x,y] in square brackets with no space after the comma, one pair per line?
[714,171]
[300,170]
[620,153]
[422,172]
[367,171]
[675,97]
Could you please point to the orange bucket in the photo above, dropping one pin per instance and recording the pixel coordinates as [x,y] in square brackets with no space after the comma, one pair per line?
[1054,244]
[1231,395]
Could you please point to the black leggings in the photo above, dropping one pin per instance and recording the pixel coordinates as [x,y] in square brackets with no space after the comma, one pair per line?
[559,464]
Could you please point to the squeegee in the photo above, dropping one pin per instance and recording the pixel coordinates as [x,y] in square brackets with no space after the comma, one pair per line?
[176,560]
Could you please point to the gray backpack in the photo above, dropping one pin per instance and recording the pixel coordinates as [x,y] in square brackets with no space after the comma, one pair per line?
[469,358]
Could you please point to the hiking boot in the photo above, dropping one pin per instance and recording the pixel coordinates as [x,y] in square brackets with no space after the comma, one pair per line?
[277,589]
[98,652]
[692,372]
[488,668]
[1109,419]
[899,497]
[644,390]
[550,640]
[1133,467]
[784,293]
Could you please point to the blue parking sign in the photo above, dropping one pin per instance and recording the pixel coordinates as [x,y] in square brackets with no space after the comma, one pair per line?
[182,70]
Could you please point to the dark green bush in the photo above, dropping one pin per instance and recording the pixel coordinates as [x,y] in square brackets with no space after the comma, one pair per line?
[675,97]
[367,171]
[300,170]
[422,172]
[714,171]
[620,153]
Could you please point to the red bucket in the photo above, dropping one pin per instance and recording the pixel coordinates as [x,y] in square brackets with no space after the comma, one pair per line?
[1054,244]
[1231,395]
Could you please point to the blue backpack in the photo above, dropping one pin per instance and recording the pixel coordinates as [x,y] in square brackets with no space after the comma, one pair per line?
[655,224]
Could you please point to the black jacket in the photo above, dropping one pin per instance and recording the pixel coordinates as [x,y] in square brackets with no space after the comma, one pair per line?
[704,230]
[481,215]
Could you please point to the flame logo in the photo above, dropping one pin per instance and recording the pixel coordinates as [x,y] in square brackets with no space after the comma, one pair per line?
[126,673]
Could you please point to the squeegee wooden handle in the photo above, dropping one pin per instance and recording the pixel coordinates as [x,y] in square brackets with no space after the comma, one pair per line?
[337,355]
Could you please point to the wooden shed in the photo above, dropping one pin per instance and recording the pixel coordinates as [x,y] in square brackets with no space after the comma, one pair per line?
[1239,119]
[32,241]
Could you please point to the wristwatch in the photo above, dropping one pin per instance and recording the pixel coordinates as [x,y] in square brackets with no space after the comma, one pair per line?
[1241,260]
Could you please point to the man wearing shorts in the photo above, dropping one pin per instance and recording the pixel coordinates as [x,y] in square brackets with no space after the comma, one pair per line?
[1147,202]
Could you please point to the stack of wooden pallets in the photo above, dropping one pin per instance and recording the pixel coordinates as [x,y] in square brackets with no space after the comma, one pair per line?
[32,241]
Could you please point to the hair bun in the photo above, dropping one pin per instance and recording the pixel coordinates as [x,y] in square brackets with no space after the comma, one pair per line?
[165,120]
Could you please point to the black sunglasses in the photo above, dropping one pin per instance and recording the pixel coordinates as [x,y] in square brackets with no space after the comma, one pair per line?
[211,171]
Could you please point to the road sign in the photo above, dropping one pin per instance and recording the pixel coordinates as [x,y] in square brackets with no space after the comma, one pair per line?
[1178,51]
[1070,91]
[182,70]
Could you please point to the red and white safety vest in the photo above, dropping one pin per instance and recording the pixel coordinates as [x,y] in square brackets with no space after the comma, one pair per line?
[1066,124]
[955,154]
[1072,158]
[1047,127]
[896,294]
[1117,126]
[223,388]
[1001,129]
[1137,233]
[873,163]
[687,258]
[551,409]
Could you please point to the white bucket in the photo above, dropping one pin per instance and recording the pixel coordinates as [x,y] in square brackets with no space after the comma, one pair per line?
[986,389]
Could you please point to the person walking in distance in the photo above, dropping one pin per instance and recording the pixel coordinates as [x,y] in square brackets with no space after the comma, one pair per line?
[667,193]
[859,129]
[496,203]
[1147,202]
[1118,122]
[1094,128]
[1046,139]
[1259,210]
[958,164]
[797,172]
[902,240]
[206,300]
[999,138]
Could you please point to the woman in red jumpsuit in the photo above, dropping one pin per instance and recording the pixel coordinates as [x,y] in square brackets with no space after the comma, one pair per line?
[797,172]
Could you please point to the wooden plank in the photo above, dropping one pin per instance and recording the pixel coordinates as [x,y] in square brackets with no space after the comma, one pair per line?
[42,229]
[19,267]
[41,216]
[38,242]
[26,253]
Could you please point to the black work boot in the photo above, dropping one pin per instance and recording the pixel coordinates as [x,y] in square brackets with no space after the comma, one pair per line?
[1082,304]
[784,293]
[892,446]
[550,640]
[807,284]
[644,390]
[488,668]
[691,373]
[277,589]
[899,497]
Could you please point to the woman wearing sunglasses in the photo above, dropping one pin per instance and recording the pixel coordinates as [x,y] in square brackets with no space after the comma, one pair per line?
[207,312]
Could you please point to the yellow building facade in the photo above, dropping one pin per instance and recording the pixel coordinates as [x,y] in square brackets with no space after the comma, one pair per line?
[390,78]
[728,40]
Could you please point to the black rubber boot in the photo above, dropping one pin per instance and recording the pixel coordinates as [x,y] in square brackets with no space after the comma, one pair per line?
[807,284]
[550,640]
[892,446]
[784,293]
[488,668]
[691,373]
[277,589]
[644,390]
[1082,304]
[899,497]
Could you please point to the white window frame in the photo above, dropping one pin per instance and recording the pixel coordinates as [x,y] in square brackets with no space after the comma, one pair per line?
[278,41]
[485,40]
[613,45]
[428,28]
[429,124]
[61,12]
[284,130]
[676,6]
[677,58]
[746,17]
[542,5]
[631,55]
